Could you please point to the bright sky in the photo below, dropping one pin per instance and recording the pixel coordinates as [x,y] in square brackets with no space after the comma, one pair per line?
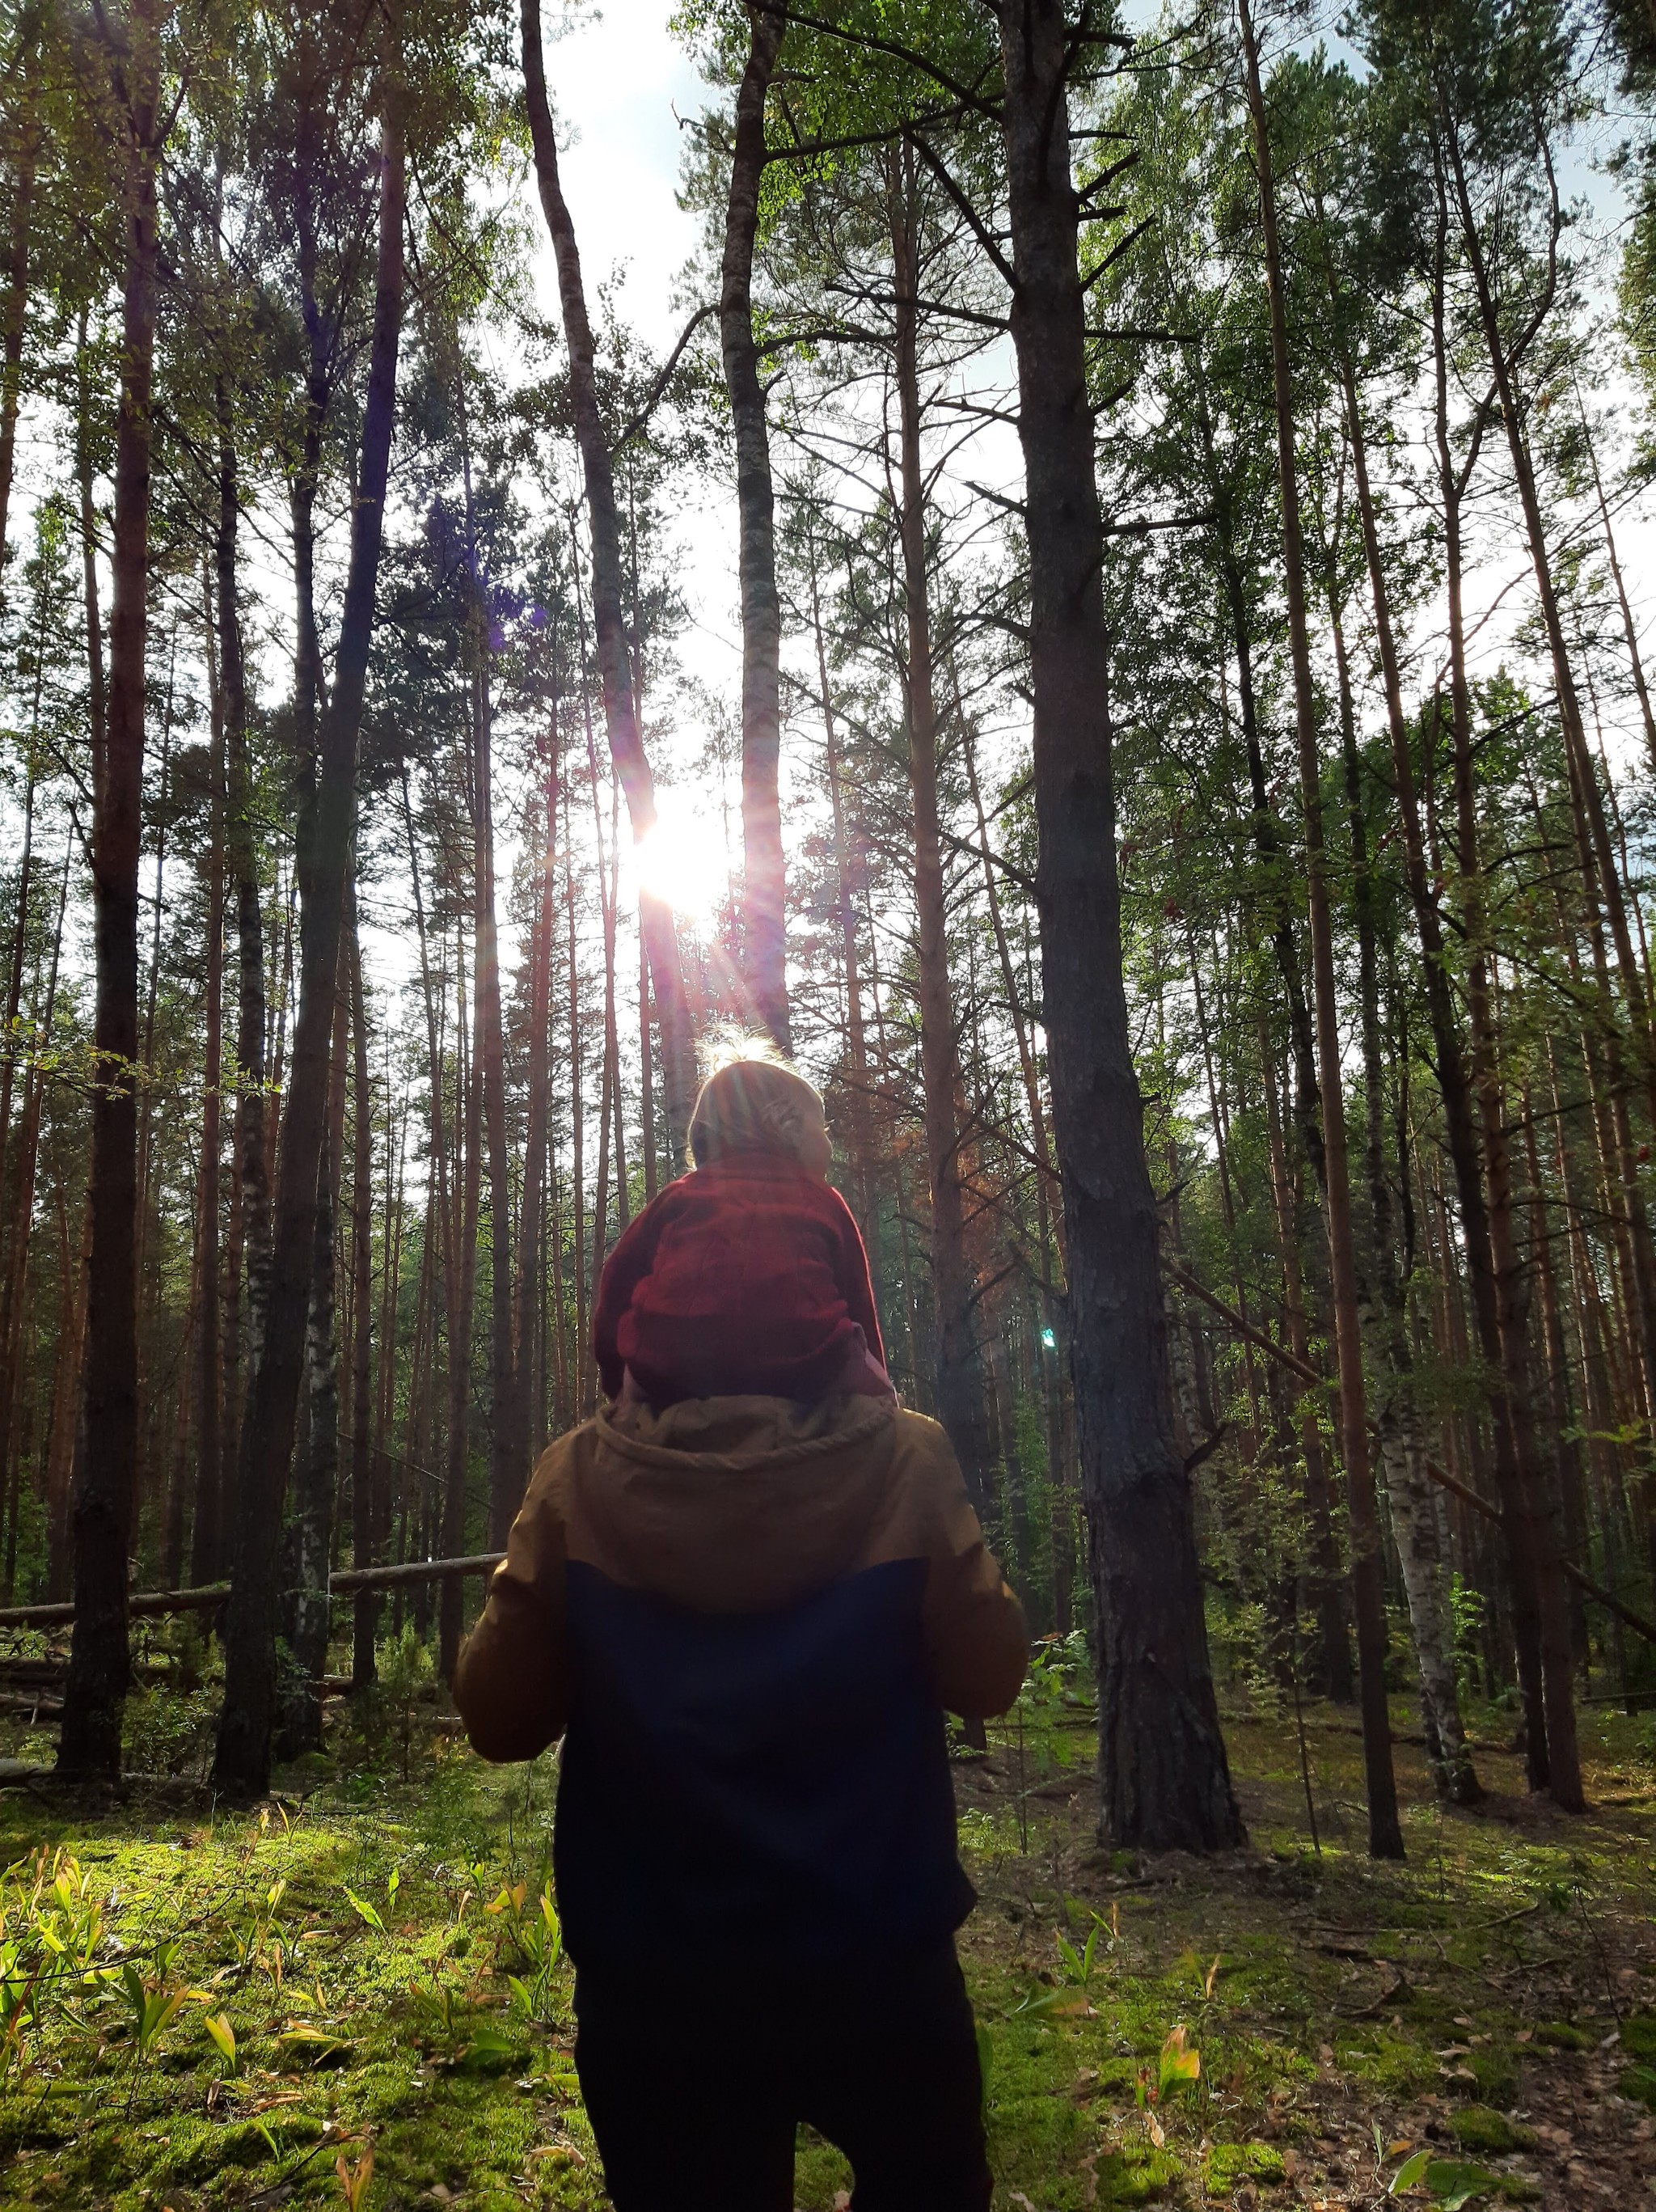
[616,79]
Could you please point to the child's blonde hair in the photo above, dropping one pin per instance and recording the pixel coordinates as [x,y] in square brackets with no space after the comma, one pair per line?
[751,1104]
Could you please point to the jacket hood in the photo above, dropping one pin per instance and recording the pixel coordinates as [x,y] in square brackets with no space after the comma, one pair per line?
[736,1504]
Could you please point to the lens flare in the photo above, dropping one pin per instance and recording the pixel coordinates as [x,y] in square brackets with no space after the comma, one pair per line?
[681,862]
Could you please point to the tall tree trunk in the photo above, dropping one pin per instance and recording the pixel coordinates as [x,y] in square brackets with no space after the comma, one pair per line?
[250,1237]
[21,1197]
[1164,1780]
[106,1459]
[1264,829]
[1568,1474]
[307,1547]
[1629,628]
[1399,1422]
[1454,1084]
[862,1163]
[508,1457]
[581,1394]
[461,1283]
[67,1369]
[206,1541]
[242,1766]
[97,700]
[1515,1477]
[621,720]
[19,962]
[1327,1578]
[365,1528]
[1385,1831]
[960,1402]
[530,1238]
[763,919]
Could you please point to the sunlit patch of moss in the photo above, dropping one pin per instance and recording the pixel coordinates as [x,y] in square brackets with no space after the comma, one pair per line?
[1395,2064]
[1477,2127]
[1227,2164]
[1136,2173]
[819,2172]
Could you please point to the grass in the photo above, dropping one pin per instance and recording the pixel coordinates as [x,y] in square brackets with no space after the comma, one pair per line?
[204,2011]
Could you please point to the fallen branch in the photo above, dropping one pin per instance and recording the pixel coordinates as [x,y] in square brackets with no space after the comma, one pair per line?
[210,1596]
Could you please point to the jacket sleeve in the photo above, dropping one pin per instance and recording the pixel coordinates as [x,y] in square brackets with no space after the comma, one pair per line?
[512,1680]
[623,1271]
[977,1640]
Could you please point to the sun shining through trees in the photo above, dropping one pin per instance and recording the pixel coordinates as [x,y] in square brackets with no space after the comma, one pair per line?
[681,860]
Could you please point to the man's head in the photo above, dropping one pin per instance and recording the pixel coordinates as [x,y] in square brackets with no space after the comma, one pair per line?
[756,1105]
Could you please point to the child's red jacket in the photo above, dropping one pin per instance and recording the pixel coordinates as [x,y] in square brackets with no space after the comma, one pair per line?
[748,1278]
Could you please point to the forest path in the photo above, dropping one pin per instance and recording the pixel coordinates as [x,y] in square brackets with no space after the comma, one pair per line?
[1271,2030]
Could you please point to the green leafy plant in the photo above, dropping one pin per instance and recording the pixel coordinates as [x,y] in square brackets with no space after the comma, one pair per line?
[154,2006]
[1076,1966]
[1180,2064]
[531,1952]
[1453,2183]
[369,1914]
[16,2005]
[354,2179]
[223,2039]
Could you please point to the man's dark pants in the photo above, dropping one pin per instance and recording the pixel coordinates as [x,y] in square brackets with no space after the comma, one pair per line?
[693,2088]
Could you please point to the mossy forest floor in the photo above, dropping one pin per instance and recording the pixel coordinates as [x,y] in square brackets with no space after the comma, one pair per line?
[207,2011]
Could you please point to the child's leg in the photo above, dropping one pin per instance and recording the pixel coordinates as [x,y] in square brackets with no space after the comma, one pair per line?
[686,2115]
[893,2078]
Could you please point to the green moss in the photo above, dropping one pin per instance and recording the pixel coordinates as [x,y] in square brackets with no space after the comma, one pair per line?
[1476,2127]
[1496,2074]
[1638,2082]
[85,2123]
[1136,2174]
[1229,2163]
[1455,2176]
[1396,2065]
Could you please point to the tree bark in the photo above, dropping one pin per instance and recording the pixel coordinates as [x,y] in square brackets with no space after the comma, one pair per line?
[460,1281]
[508,1453]
[858,1085]
[531,1238]
[961,1406]
[242,1766]
[67,1369]
[621,720]
[21,1198]
[1398,1423]
[305,1610]
[763,921]
[1385,1831]
[106,1459]
[1327,1573]
[364,1519]
[1164,1780]
[205,1535]
[249,1243]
